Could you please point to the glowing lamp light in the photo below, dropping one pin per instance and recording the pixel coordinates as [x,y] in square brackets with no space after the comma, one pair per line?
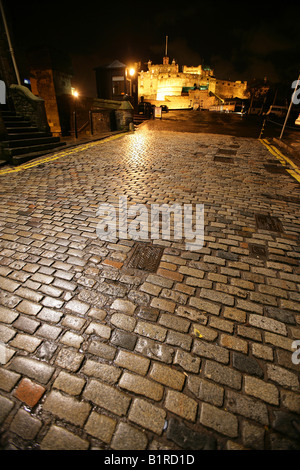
[131,72]
[75,93]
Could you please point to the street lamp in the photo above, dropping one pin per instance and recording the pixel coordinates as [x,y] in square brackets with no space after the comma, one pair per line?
[75,94]
[131,72]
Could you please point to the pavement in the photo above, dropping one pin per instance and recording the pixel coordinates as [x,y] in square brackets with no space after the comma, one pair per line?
[290,143]
[233,124]
[100,350]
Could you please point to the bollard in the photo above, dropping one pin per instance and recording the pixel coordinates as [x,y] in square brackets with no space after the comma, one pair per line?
[75,123]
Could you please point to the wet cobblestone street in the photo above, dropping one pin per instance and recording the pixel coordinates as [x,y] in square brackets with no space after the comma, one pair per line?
[96,354]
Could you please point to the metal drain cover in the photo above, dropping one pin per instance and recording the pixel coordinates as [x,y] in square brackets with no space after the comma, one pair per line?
[146,257]
[220,159]
[275,169]
[258,251]
[227,151]
[267,222]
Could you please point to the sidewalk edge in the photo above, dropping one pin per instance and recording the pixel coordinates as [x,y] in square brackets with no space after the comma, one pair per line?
[286,147]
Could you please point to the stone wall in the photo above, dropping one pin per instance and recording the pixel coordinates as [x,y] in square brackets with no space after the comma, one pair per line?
[104,117]
[202,99]
[28,105]
[124,116]
[230,89]
[159,86]
[42,85]
[103,120]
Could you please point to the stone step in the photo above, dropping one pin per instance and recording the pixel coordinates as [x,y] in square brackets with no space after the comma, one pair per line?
[6,112]
[13,130]
[139,118]
[27,135]
[13,117]
[11,152]
[34,140]
[16,123]
[19,159]
[24,141]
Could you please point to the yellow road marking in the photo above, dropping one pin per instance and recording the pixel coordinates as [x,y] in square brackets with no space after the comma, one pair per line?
[56,156]
[272,151]
[284,160]
[295,175]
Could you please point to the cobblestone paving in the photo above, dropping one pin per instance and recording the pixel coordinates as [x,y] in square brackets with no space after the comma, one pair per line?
[197,355]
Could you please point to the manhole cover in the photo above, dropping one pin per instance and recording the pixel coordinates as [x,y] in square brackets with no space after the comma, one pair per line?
[146,257]
[227,151]
[267,222]
[223,159]
[258,251]
[275,169]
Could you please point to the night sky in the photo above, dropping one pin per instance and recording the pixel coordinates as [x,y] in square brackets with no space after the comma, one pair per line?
[239,40]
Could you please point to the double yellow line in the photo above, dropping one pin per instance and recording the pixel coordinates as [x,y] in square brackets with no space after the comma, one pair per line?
[284,160]
[56,156]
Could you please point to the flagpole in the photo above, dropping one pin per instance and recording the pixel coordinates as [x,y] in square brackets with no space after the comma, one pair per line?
[10,44]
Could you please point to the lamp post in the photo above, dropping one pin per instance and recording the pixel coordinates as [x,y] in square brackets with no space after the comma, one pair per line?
[75,95]
[131,72]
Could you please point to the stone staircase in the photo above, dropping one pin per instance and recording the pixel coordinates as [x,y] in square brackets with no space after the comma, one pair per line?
[24,141]
[139,119]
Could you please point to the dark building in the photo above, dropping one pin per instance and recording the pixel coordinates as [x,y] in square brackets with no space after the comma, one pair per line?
[116,81]
[111,81]
[50,76]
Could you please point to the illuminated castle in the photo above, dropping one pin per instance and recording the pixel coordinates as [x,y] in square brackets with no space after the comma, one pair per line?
[164,84]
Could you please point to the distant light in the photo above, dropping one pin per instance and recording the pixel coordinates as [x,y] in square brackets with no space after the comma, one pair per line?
[26,81]
[131,72]
[74,92]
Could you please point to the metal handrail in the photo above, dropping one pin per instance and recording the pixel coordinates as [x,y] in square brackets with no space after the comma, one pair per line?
[84,126]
